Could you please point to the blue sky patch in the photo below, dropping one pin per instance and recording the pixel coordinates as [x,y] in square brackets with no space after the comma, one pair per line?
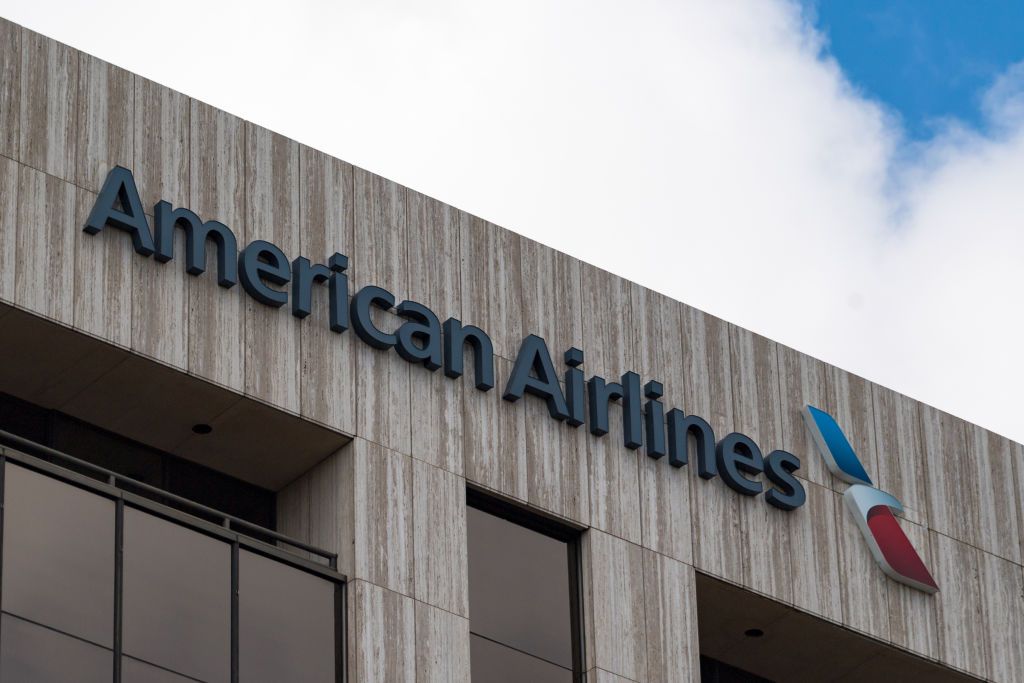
[926,59]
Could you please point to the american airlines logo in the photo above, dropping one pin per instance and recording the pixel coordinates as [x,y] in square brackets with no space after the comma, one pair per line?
[871,508]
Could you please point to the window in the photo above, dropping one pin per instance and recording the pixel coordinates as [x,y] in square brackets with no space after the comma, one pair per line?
[177,597]
[523,596]
[100,584]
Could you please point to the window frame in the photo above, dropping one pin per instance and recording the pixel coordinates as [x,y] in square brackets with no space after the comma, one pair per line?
[224,532]
[570,534]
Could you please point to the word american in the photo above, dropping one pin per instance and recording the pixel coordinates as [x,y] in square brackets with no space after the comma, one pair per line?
[267,275]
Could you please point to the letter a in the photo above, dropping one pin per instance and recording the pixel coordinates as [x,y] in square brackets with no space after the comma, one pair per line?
[119,189]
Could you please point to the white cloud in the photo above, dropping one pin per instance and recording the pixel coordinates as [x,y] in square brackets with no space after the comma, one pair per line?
[709,150]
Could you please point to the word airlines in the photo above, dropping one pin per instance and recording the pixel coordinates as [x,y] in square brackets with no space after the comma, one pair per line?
[267,275]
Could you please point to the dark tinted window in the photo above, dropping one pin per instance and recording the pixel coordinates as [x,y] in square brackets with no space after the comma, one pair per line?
[177,597]
[29,652]
[65,546]
[521,600]
[496,663]
[286,623]
[134,671]
[58,562]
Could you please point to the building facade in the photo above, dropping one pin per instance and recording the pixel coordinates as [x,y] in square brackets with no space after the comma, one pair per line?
[269,416]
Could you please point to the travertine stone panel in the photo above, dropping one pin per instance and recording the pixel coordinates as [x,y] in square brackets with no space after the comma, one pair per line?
[349,506]
[272,214]
[767,535]
[383,516]
[607,324]
[862,586]
[674,366]
[381,635]
[1018,471]
[901,454]
[381,228]
[434,255]
[492,284]
[802,381]
[104,134]
[10,88]
[49,111]
[327,359]
[160,308]
[103,278]
[718,542]
[494,436]
[666,523]
[613,588]
[434,280]
[331,506]
[758,414]
[383,390]
[318,507]
[104,139]
[293,512]
[442,646]
[851,404]
[161,144]
[658,342]
[991,459]
[950,476]
[609,353]
[961,621]
[216,343]
[160,165]
[646,332]
[437,432]
[1004,616]
[913,619]
[46,239]
[9,171]
[707,367]
[755,388]
[649,333]
[707,389]
[615,482]
[552,298]
[439,539]
[217,169]
[670,595]
[816,574]
[558,478]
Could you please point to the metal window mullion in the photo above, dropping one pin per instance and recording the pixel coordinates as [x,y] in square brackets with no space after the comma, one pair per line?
[3,471]
[118,587]
[234,611]
[575,561]
[340,672]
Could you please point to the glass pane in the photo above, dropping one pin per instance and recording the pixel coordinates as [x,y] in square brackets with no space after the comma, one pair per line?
[495,663]
[32,653]
[519,588]
[58,555]
[177,597]
[134,671]
[285,622]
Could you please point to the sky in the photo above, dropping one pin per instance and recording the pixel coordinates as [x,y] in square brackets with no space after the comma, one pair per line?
[843,177]
[928,60]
